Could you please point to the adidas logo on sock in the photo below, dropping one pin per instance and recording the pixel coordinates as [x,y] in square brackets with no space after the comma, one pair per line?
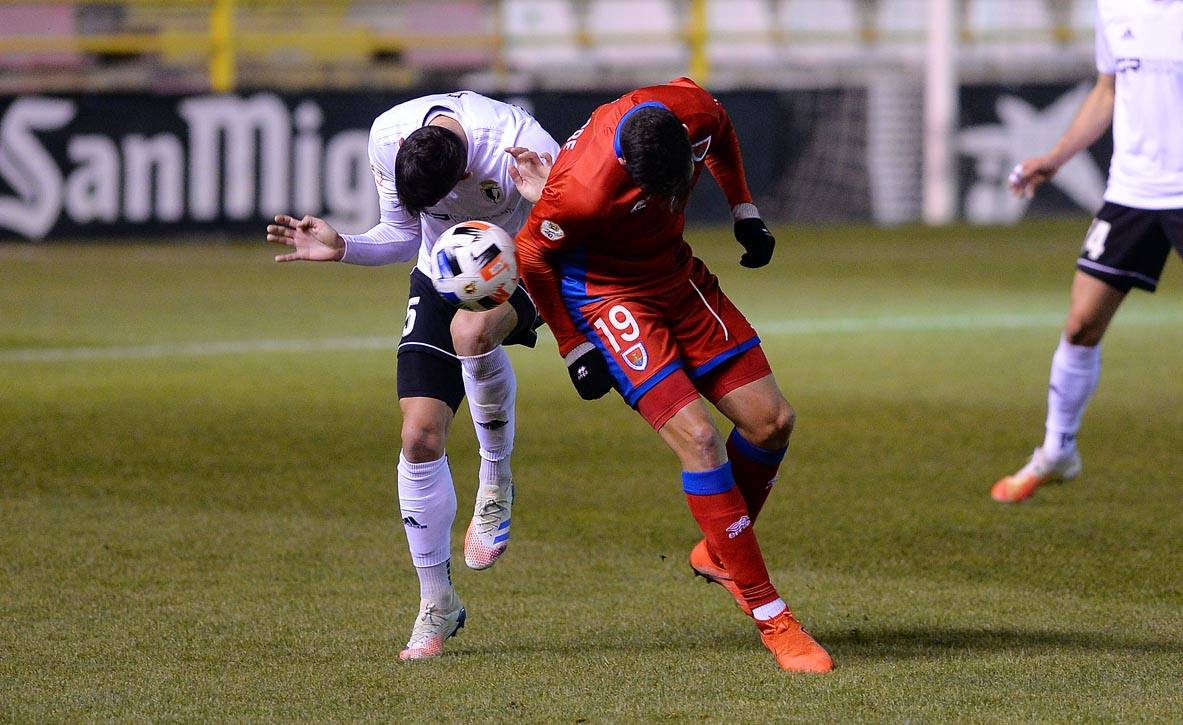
[411,523]
[737,528]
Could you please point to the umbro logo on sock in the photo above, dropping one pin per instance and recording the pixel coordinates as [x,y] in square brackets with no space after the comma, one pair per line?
[737,528]
[411,523]
[493,424]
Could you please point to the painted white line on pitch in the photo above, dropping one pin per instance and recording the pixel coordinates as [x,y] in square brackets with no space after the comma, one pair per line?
[767,329]
[197,349]
[936,323]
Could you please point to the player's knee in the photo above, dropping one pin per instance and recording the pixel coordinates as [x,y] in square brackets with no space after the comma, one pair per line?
[704,444]
[775,427]
[423,441]
[1081,330]
[786,420]
[474,335]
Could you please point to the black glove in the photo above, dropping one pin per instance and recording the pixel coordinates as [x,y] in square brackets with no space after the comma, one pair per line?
[757,242]
[589,373]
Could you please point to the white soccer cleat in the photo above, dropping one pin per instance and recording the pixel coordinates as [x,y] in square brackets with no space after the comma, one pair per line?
[435,624]
[1038,471]
[488,533]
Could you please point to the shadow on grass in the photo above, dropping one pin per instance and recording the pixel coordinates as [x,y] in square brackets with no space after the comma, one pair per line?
[918,642]
[911,643]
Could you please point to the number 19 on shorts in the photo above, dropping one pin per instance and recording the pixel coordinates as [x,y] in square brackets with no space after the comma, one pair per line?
[620,330]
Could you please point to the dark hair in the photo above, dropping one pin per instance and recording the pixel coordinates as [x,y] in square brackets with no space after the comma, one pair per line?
[656,152]
[429,163]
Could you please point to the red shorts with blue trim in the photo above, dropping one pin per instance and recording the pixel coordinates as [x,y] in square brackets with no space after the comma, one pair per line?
[682,335]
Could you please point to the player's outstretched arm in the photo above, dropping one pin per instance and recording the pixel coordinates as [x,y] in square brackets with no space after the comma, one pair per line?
[1092,120]
[529,171]
[312,239]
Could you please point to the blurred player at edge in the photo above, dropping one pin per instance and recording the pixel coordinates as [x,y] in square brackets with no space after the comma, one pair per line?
[1139,90]
[439,160]
[632,308]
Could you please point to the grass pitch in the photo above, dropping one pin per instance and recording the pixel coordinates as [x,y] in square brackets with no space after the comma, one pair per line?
[198,518]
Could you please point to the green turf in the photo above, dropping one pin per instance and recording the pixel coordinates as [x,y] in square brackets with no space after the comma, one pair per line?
[203,534]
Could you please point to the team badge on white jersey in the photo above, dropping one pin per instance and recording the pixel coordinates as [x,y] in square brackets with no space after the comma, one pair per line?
[492,191]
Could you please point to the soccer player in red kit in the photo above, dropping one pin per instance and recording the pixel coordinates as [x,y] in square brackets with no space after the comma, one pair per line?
[632,308]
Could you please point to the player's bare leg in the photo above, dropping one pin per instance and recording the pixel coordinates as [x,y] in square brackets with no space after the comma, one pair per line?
[490,386]
[1076,366]
[719,509]
[427,501]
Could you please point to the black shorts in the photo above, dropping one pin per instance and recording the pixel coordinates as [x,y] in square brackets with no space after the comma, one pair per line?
[427,362]
[1127,247]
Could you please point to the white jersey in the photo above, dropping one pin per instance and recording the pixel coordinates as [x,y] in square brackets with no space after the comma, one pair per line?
[1141,43]
[487,193]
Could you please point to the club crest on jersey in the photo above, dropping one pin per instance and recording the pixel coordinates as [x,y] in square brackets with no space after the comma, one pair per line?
[551,231]
[700,149]
[636,357]
[492,191]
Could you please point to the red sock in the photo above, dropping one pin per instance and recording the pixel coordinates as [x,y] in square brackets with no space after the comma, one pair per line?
[754,469]
[724,520]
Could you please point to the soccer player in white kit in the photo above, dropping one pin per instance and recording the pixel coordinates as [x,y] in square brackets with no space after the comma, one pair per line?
[1139,91]
[439,160]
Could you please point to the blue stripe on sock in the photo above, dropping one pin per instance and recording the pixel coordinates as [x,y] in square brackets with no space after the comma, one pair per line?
[755,453]
[707,483]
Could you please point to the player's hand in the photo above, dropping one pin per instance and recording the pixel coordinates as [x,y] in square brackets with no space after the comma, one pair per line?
[529,171]
[756,240]
[589,372]
[1027,176]
[312,239]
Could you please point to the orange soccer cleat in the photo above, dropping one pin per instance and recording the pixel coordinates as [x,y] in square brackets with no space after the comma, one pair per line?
[795,650]
[705,566]
[1039,470]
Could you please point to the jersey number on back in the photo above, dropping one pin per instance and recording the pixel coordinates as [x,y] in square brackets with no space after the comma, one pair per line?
[575,136]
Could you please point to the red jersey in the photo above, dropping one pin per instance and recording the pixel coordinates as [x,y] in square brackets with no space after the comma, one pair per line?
[596,232]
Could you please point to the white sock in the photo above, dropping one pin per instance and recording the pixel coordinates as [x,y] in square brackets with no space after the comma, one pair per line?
[1075,370]
[427,500]
[435,582]
[765,612]
[490,386]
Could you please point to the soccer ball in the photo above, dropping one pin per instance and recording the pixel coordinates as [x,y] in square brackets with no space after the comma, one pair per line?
[473,266]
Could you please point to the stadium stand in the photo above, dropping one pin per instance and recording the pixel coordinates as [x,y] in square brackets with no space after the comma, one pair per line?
[818,31]
[53,20]
[742,33]
[636,33]
[541,35]
[515,43]
[1022,27]
[899,28]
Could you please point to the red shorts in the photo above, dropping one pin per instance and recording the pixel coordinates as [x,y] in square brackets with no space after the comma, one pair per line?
[664,350]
